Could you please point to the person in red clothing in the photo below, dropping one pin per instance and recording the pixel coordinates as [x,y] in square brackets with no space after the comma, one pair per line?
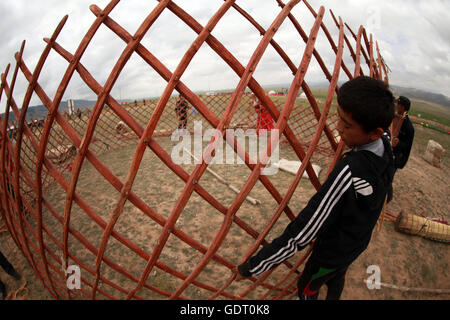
[265,121]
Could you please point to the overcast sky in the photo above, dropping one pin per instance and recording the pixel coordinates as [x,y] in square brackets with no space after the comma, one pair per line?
[413,35]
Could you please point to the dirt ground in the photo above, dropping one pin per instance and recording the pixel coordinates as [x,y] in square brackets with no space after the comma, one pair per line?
[407,260]
[404,260]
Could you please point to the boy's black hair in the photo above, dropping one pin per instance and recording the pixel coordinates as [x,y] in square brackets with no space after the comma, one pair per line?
[404,101]
[369,101]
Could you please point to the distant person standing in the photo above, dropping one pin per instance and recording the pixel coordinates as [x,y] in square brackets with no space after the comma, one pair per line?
[402,136]
[265,121]
[181,109]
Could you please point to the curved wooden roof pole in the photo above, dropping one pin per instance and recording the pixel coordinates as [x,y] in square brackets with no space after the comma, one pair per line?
[20,130]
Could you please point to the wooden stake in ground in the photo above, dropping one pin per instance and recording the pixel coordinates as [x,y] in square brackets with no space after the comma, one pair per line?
[223,181]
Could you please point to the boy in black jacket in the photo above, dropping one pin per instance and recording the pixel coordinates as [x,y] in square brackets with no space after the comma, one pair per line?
[344,211]
[403,143]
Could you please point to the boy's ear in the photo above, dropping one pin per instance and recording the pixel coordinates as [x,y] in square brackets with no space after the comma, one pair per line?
[376,134]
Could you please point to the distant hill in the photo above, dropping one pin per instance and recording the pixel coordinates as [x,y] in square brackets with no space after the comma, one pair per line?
[397,90]
[422,95]
[40,112]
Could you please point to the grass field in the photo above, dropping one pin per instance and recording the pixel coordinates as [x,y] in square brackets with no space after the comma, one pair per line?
[430,111]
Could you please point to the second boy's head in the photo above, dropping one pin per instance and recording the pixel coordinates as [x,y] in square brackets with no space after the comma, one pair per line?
[403,105]
[366,109]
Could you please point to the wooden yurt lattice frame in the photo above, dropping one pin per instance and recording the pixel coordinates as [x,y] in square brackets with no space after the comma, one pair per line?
[39,154]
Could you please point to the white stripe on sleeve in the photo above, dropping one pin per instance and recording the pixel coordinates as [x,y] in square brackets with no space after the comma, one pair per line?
[308,232]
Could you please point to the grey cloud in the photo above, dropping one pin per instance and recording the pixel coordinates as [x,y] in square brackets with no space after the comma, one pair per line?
[413,38]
